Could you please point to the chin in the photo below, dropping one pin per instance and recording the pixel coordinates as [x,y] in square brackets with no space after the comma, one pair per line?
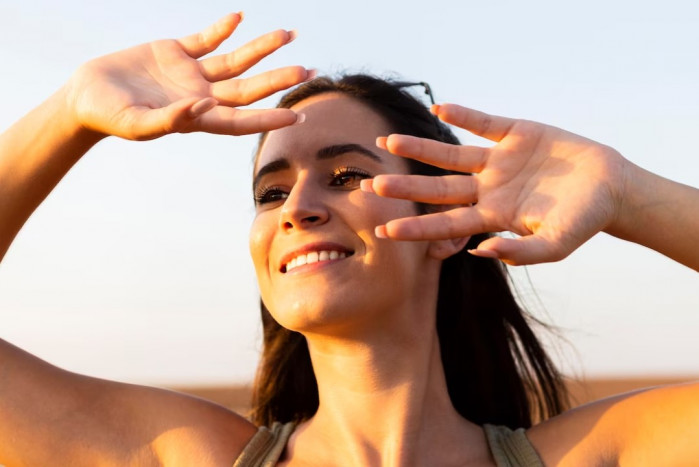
[306,315]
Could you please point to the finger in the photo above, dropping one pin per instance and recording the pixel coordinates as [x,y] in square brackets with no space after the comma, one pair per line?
[235,63]
[444,155]
[201,43]
[448,189]
[454,223]
[229,121]
[530,249]
[236,92]
[488,126]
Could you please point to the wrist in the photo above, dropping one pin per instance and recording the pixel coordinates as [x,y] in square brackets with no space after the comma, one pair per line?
[625,194]
[72,124]
[645,202]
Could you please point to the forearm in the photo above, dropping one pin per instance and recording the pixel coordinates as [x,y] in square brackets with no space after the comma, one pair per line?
[659,214]
[35,154]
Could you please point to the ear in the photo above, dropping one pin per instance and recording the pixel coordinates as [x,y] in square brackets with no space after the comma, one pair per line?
[443,249]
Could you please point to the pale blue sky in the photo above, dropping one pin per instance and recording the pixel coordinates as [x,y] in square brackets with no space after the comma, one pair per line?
[136,268]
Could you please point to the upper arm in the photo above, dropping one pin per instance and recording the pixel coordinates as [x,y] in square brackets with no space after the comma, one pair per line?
[648,427]
[49,416]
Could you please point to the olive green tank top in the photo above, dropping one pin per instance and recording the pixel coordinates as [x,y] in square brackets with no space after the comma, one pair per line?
[509,448]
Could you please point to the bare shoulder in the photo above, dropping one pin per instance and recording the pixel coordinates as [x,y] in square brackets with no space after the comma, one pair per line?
[645,427]
[55,417]
[178,429]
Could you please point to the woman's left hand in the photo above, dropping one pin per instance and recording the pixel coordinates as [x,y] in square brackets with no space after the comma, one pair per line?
[553,188]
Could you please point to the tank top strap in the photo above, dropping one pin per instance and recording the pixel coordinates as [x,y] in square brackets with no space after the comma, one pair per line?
[511,448]
[266,447]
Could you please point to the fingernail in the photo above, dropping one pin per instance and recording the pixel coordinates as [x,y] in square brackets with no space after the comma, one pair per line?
[300,118]
[202,107]
[435,109]
[242,16]
[381,142]
[293,34]
[380,231]
[366,185]
[484,253]
[311,73]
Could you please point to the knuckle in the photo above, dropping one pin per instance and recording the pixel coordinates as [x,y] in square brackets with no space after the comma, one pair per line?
[203,40]
[240,89]
[422,148]
[442,189]
[453,156]
[485,123]
[230,61]
[421,228]
[468,183]
[271,80]
[452,227]
[481,156]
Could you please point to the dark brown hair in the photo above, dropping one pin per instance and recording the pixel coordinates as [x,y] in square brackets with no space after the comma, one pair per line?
[496,369]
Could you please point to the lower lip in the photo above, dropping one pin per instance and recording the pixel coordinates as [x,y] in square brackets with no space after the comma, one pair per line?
[315,266]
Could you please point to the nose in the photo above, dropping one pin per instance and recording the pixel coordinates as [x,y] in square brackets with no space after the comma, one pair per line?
[303,208]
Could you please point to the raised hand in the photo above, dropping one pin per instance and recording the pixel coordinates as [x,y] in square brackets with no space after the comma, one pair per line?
[165,86]
[551,187]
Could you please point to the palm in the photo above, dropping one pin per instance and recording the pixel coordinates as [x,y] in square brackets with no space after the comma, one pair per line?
[148,76]
[160,75]
[534,181]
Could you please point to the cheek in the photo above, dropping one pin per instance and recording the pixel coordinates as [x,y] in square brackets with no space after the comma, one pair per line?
[260,240]
[386,254]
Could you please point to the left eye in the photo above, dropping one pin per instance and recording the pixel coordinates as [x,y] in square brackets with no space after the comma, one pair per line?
[348,177]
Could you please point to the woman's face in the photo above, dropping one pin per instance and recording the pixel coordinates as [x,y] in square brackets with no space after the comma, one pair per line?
[317,259]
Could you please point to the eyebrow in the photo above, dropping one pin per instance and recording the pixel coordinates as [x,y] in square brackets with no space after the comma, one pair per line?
[339,149]
[328,152]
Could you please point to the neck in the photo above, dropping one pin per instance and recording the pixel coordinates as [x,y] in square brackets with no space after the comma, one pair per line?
[383,397]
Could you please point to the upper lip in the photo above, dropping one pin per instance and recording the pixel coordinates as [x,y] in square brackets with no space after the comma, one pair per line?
[317,246]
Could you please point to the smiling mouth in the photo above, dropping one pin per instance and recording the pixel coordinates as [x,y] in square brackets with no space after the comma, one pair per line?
[315,257]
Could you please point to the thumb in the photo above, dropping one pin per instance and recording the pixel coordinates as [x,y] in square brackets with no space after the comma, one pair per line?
[147,123]
[530,249]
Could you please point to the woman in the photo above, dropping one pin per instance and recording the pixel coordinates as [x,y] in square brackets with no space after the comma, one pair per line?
[368,306]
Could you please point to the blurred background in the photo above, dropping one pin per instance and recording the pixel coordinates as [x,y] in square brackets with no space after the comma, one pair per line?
[136,267]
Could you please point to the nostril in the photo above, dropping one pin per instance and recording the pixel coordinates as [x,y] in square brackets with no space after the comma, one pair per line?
[289,221]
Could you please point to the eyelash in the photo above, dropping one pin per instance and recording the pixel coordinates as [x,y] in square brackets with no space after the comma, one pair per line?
[355,172]
[270,194]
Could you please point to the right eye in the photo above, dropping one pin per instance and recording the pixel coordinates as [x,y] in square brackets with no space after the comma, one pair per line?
[270,194]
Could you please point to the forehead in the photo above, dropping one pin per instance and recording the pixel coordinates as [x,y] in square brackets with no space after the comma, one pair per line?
[331,119]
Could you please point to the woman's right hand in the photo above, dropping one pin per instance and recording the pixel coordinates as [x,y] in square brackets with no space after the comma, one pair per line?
[165,87]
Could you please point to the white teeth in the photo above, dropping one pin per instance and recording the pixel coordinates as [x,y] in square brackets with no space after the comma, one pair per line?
[314,257]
